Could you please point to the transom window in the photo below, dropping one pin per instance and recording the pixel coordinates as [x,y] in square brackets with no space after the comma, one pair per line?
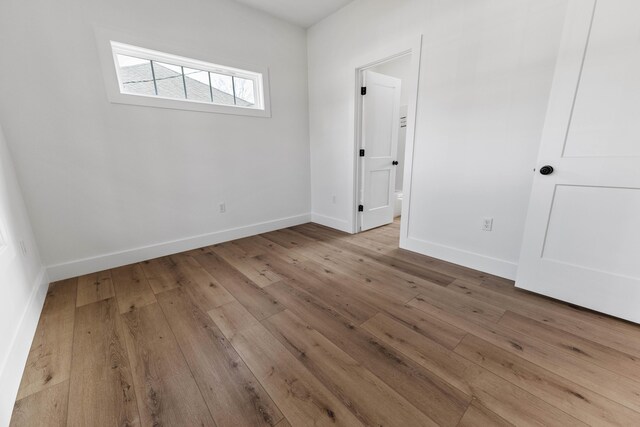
[149,73]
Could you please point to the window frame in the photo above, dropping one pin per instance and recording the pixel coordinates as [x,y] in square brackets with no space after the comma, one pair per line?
[110,44]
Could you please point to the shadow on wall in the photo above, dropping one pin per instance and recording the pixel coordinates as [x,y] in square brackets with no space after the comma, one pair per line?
[23,284]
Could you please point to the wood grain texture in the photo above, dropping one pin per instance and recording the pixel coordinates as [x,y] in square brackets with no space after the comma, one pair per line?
[49,360]
[131,287]
[254,269]
[488,389]
[303,399]
[371,400]
[598,354]
[444,404]
[45,408]
[312,326]
[479,416]
[230,390]
[583,404]
[94,287]
[166,391]
[101,390]
[259,303]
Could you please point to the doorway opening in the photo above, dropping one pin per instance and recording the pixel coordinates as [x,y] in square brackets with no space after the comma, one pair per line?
[387,91]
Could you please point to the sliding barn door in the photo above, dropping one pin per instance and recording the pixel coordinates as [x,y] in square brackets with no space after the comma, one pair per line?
[582,238]
[380,126]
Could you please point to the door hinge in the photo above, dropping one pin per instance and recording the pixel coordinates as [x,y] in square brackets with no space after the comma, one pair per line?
[360,208]
[362,152]
[363,90]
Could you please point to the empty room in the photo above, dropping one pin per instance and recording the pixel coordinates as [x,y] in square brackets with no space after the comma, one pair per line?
[320,213]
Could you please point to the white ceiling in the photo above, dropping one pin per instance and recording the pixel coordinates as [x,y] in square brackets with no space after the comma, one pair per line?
[304,13]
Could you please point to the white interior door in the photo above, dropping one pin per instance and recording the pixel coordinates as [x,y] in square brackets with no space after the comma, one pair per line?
[582,239]
[380,125]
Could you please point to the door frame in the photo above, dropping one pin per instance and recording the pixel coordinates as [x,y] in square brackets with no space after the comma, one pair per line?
[411,47]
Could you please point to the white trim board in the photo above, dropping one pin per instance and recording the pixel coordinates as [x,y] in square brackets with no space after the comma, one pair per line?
[13,367]
[131,256]
[335,223]
[397,49]
[495,266]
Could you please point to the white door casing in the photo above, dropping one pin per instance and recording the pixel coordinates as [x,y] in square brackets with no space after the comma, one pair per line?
[379,139]
[582,237]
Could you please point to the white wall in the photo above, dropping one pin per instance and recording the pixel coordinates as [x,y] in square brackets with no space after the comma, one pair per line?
[111,182]
[486,73]
[23,285]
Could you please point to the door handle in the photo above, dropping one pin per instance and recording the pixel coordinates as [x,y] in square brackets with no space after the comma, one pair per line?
[546,170]
[394,163]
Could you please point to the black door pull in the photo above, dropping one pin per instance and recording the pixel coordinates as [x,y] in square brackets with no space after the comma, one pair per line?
[394,163]
[546,170]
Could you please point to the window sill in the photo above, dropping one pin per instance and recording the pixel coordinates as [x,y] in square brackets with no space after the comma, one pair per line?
[177,104]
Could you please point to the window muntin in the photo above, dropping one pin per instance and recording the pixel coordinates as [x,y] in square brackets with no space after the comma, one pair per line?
[143,72]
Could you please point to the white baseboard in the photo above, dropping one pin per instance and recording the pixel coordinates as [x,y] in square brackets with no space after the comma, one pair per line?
[330,222]
[25,330]
[495,266]
[130,256]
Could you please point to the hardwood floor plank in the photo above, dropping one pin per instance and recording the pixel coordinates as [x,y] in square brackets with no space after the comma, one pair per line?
[288,239]
[231,318]
[257,301]
[441,332]
[357,311]
[49,360]
[491,391]
[230,390]
[44,408]
[284,423]
[595,327]
[251,246]
[598,354]
[479,416]
[350,258]
[255,270]
[579,402]
[186,273]
[471,307]
[94,287]
[131,287]
[166,391]
[401,265]
[164,274]
[301,396]
[101,389]
[396,284]
[611,385]
[258,245]
[441,402]
[334,329]
[372,401]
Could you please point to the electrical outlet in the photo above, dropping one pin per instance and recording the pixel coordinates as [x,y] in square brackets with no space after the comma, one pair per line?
[334,199]
[223,207]
[487,224]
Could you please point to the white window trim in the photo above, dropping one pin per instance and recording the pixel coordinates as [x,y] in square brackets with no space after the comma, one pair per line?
[111,43]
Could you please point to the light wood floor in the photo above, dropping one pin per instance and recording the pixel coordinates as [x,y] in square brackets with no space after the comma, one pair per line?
[309,326]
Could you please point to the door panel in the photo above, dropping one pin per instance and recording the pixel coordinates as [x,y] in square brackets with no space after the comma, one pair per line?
[582,237]
[605,117]
[380,182]
[380,126]
[612,245]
